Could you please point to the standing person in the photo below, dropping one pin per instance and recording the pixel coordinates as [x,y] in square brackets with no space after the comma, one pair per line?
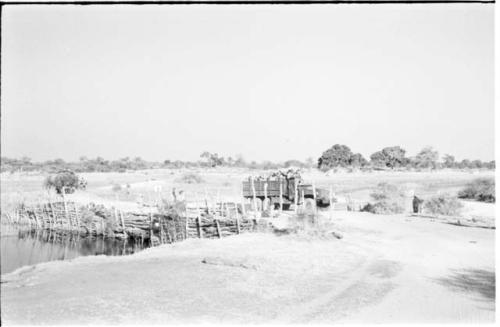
[417,204]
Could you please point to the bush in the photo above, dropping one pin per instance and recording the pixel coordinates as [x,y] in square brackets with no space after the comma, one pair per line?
[481,189]
[190,178]
[66,181]
[387,199]
[443,204]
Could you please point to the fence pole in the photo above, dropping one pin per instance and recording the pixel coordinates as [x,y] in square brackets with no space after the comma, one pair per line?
[237,218]
[198,221]
[123,224]
[218,227]
[186,227]
[150,227]
[36,217]
[65,207]
[254,194]
[281,194]
[296,195]
[265,196]
[77,216]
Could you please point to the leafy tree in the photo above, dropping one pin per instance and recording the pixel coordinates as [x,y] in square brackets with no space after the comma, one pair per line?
[337,156]
[427,158]
[65,181]
[464,164]
[391,157]
[476,164]
[449,161]
[357,160]
[213,159]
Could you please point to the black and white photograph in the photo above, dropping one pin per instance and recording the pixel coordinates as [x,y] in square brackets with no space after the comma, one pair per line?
[247,162]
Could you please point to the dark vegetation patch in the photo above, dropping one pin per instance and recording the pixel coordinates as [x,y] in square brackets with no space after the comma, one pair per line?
[481,189]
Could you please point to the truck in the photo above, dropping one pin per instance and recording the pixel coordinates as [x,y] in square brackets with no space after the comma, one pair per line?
[284,191]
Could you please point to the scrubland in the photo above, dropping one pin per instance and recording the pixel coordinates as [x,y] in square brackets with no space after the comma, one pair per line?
[383,268]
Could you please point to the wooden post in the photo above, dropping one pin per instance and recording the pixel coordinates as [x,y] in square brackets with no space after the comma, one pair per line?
[186,225]
[254,194]
[53,220]
[161,231]
[314,191]
[77,216]
[123,224]
[303,197]
[281,194]
[265,195]
[218,227]
[237,219]
[36,217]
[174,233]
[243,210]
[198,221]
[296,195]
[206,199]
[315,204]
[65,206]
[150,227]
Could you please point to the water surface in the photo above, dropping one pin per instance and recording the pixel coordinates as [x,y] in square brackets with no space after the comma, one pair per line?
[23,248]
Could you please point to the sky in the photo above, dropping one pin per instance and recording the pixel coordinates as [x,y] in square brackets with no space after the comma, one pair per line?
[269,82]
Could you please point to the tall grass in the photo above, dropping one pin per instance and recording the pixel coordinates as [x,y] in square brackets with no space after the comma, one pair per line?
[443,204]
[386,199]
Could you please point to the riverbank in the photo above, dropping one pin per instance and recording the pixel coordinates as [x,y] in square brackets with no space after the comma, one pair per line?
[384,269]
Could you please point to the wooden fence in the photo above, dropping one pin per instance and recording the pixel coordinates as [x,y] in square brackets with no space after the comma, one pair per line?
[172,226]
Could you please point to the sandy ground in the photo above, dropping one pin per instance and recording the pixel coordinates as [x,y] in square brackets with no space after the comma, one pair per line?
[384,269]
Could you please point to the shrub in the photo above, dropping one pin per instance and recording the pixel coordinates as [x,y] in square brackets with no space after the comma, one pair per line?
[66,181]
[481,189]
[387,199]
[190,178]
[443,204]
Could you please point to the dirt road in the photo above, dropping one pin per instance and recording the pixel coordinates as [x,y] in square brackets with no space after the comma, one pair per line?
[384,269]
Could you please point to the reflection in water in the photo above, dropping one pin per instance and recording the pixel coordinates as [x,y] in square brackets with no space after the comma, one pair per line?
[32,247]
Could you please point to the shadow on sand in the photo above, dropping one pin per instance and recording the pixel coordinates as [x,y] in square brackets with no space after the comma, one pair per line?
[475,281]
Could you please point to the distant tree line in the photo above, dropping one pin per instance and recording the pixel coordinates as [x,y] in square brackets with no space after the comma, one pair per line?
[100,164]
[338,156]
[394,157]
